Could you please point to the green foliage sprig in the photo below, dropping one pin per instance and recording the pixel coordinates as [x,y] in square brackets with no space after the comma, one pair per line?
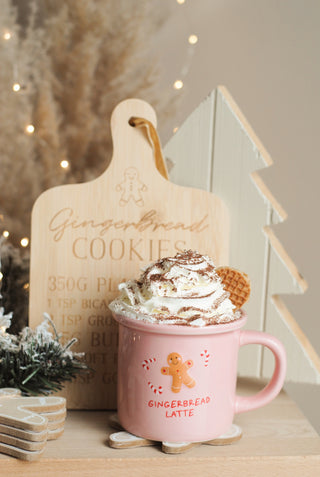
[35,361]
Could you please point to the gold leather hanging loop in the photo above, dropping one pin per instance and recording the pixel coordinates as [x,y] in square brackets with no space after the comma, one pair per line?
[155,142]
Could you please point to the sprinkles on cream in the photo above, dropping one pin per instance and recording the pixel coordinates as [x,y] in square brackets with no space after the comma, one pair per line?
[181,290]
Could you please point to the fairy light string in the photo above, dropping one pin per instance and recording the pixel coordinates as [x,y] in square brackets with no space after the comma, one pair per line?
[192,40]
[18,86]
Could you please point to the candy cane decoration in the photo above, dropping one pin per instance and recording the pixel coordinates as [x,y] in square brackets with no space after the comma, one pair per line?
[156,390]
[146,362]
[207,356]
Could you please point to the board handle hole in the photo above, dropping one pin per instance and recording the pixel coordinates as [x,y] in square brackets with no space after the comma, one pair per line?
[132,122]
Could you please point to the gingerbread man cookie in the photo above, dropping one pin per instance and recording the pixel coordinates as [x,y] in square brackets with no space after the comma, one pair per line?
[179,372]
[27,423]
[131,187]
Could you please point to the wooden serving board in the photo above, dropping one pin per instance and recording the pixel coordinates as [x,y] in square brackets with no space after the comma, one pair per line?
[86,238]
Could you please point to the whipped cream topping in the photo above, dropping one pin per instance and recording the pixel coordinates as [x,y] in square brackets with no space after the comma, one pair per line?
[184,289]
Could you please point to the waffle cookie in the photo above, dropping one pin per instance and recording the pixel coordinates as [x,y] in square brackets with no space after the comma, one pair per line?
[236,283]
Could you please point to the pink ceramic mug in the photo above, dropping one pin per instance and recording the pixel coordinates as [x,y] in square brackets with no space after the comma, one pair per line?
[177,383]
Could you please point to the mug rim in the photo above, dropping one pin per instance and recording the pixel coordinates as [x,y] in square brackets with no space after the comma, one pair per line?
[159,328]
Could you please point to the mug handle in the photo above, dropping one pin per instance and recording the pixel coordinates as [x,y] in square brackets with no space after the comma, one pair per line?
[270,391]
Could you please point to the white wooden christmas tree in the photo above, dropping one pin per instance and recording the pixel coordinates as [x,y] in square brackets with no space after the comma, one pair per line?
[217,150]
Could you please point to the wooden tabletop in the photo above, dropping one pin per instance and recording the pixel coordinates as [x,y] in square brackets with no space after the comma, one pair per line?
[277,440]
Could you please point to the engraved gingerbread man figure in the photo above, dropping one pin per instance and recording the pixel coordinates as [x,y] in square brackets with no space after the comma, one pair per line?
[179,372]
[131,187]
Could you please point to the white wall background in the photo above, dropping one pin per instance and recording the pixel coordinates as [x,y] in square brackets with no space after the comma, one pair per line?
[267,54]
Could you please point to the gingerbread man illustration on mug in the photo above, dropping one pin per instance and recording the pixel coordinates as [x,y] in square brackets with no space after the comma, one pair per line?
[179,372]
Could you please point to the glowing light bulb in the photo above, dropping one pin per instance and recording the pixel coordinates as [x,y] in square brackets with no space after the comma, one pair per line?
[26,286]
[175,129]
[193,39]
[64,164]
[178,84]
[181,2]
[5,233]
[30,128]
[1,276]
[24,242]
[7,35]
[16,87]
